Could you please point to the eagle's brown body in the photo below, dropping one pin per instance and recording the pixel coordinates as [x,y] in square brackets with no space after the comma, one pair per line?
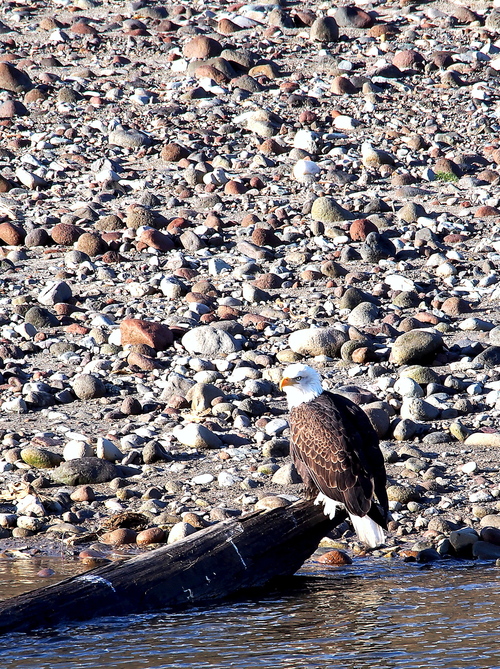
[336,451]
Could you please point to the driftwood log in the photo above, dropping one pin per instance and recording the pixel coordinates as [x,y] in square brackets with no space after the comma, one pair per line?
[205,567]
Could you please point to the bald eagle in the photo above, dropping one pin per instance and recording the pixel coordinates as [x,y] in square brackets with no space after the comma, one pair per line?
[336,452]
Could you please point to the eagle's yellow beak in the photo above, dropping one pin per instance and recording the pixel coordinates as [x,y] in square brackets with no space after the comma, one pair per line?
[286,381]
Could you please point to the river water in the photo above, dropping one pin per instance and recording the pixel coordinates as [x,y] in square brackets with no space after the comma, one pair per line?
[374,614]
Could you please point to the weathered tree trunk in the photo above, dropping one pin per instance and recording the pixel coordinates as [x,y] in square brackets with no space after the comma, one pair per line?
[205,567]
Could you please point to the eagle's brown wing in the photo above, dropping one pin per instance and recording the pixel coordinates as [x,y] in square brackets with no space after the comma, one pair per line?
[335,449]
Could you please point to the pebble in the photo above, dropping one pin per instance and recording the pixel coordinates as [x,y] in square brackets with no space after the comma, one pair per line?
[197,436]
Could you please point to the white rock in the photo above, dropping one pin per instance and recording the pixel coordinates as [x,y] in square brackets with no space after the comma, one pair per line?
[483,439]
[115,337]
[29,523]
[30,505]
[29,179]
[407,387]
[8,519]
[469,467]
[202,479]
[343,122]
[106,450]
[180,531]
[446,269]
[476,325]
[217,266]
[26,330]
[137,289]
[113,505]
[197,436]
[399,282]
[16,405]
[77,449]
[210,342]
[306,140]
[225,479]
[480,496]
[275,426]
[305,168]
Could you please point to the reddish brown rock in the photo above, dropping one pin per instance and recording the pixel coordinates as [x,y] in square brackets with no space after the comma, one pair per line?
[74,328]
[226,313]
[248,220]
[335,557]
[268,280]
[12,235]
[385,30]
[442,59]
[119,537]
[201,48]
[35,95]
[271,146]
[111,257]
[172,153]
[454,238]
[91,243]
[491,535]
[265,237]
[92,557]
[206,70]
[153,535]
[227,27]
[363,355]
[12,108]
[204,287]
[5,185]
[156,240]
[353,17]
[426,317]
[408,59]
[12,79]
[342,86]
[178,402]
[304,17]
[256,182]
[485,211]
[65,234]
[234,187]
[360,228]
[490,176]
[254,319]
[187,273]
[199,298]
[455,306]
[307,117]
[310,275]
[83,493]
[143,362]
[83,28]
[447,166]
[137,331]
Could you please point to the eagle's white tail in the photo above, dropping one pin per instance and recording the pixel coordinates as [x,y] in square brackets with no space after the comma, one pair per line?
[368,531]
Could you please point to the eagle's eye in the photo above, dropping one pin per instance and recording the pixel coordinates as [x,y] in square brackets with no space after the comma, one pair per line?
[298,378]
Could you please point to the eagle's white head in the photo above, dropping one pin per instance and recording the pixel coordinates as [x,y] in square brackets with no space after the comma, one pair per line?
[300,383]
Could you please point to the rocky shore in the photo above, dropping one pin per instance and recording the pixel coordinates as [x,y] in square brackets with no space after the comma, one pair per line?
[193,196]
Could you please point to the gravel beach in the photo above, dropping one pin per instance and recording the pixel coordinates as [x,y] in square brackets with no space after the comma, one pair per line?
[193,196]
